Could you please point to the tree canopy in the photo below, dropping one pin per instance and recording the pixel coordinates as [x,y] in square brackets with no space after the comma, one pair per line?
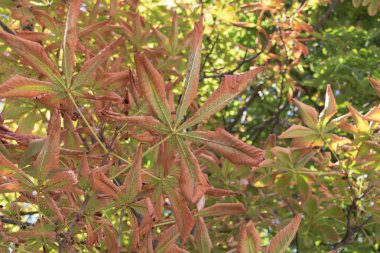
[189,126]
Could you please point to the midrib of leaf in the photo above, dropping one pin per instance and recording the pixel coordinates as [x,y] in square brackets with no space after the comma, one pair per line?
[161,106]
[250,244]
[188,85]
[198,116]
[207,140]
[184,156]
[52,76]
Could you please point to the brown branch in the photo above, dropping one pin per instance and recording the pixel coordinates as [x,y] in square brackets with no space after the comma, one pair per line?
[239,65]
[6,28]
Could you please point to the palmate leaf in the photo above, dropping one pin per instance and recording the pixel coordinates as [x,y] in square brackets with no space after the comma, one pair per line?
[70,38]
[192,181]
[92,64]
[153,87]
[282,240]
[249,239]
[192,75]
[230,88]
[228,146]
[33,54]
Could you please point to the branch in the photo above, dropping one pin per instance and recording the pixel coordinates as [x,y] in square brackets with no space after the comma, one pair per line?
[326,15]
[6,28]
[240,64]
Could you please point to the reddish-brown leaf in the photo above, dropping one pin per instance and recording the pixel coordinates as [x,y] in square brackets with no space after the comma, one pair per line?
[192,181]
[222,209]
[228,146]
[189,91]
[48,158]
[133,182]
[93,63]
[231,86]
[282,240]
[202,238]
[153,87]
[70,38]
[102,183]
[182,214]
[33,54]
[249,239]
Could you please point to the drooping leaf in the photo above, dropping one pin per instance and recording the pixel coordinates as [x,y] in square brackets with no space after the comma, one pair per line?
[222,209]
[33,54]
[192,182]
[93,63]
[282,240]
[192,75]
[231,86]
[182,214]
[228,146]
[153,87]
[48,158]
[249,239]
